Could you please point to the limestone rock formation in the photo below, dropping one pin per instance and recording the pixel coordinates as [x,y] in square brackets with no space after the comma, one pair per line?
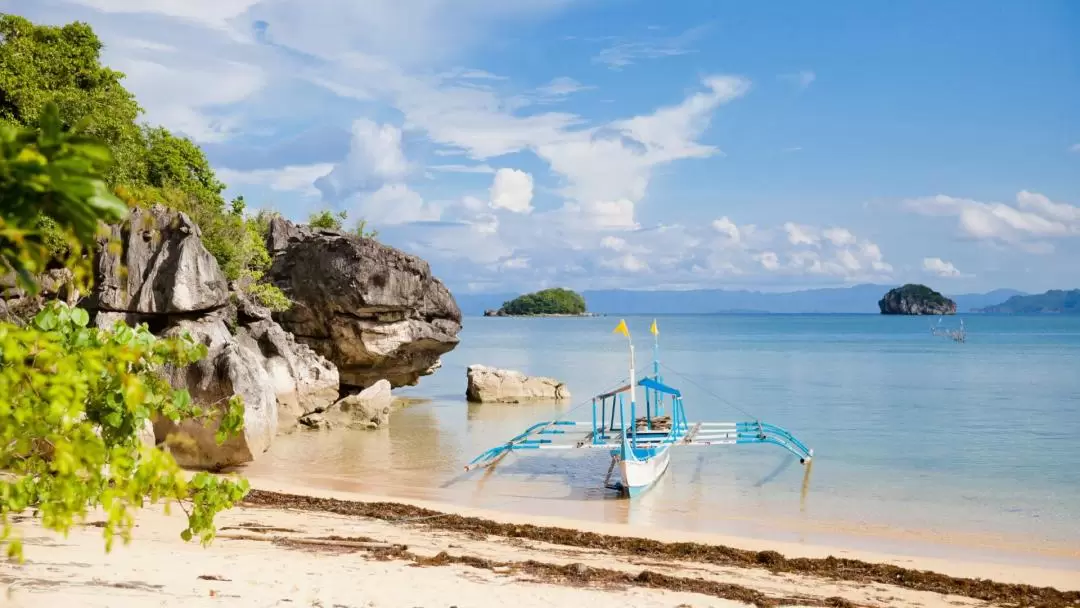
[155,269]
[156,264]
[914,299]
[369,409]
[375,312]
[228,369]
[489,384]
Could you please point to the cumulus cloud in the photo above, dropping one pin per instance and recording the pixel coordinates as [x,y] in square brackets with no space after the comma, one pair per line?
[1028,225]
[375,158]
[292,178]
[940,267]
[512,190]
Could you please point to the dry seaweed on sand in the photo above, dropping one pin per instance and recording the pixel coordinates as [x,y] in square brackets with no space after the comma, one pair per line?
[1006,594]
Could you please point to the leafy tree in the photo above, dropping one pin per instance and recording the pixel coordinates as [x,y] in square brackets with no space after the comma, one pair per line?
[327,220]
[41,64]
[554,301]
[73,398]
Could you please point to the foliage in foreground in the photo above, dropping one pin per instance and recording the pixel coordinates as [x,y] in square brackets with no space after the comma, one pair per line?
[554,301]
[73,398]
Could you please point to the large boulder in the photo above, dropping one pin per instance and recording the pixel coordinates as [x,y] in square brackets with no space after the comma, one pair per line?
[155,263]
[228,369]
[368,409]
[489,384]
[375,312]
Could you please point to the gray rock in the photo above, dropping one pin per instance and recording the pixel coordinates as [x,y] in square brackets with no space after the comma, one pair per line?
[370,408]
[302,379]
[228,369]
[492,385]
[375,312]
[155,263]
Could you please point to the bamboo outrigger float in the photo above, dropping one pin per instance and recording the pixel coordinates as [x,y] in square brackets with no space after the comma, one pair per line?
[640,446]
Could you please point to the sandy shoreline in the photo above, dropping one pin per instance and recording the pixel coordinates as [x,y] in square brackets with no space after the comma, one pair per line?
[329,553]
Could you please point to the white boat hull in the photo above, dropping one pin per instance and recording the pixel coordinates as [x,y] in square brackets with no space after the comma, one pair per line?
[640,475]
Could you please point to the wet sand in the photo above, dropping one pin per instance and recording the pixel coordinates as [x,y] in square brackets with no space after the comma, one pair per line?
[340,549]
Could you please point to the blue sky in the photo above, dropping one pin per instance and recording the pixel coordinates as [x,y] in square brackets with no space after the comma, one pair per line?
[596,143]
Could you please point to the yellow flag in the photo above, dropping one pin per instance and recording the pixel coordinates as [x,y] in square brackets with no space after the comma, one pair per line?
[622,329]
[654,330]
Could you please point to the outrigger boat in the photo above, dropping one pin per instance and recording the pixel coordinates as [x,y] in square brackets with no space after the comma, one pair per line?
[640,448]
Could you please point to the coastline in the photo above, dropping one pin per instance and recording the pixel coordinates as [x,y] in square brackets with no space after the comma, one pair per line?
[290,547]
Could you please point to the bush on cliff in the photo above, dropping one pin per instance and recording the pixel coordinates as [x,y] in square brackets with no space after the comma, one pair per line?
[73,398]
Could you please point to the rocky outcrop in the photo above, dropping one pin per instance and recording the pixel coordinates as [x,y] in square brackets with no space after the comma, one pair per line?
[228,369]
[368,409]
[18,306]
[155,263]
[488,384]
[155,269]
[914,299]
[302,380]
[375,312]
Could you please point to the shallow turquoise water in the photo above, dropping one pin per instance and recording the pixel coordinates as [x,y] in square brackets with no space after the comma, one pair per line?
[913,434]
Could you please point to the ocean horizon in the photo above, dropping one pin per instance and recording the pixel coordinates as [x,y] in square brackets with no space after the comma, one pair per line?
[917,439]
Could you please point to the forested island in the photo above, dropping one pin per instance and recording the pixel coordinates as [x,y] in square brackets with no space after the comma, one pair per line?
[1054,301]
[554,301]
[914,299]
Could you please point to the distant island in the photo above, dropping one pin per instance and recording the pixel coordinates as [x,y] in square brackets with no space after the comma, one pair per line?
[554,301]
[861,298]
[1054,301]
[913,299]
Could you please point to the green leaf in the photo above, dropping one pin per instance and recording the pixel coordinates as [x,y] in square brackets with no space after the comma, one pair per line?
[80,317]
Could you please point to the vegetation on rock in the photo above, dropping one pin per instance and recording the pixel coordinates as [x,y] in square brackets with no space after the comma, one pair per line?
[73,398]
[914,299]
[554,301]
[328,220]
[1053,301]
[40,64]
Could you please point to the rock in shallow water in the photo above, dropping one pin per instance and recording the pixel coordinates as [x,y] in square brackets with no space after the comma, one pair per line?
[368,409]
[492,385]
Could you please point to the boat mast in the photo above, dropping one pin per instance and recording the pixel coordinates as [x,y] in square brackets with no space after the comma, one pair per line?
[658,399]
[622,329]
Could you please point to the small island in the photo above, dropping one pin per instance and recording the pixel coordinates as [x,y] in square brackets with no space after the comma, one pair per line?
[913,299]
[547,302]
[1055,301]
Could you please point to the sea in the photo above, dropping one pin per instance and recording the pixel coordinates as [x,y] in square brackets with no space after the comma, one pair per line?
[921,444]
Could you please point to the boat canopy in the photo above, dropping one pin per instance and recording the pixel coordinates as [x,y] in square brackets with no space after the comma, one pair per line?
[657,386]
[647,383]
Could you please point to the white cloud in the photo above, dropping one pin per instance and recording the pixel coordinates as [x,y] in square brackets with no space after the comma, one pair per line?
[801,79]
[798,234]
[213,13]
[392,204]
[512,190]
[1027,226]
[1074,148]
[293,178]
[562,87]
[375,158]
[940,267]
[839,236]
[613,243]
[769,260]
[180,95]
[727,228]
[462,168]
[623,53]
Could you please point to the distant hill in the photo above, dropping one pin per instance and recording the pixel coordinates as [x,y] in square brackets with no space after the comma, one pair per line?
[1053,301]
[855,299]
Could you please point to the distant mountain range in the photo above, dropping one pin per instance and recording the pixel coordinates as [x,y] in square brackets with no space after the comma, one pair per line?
[855,299]
[1053,301]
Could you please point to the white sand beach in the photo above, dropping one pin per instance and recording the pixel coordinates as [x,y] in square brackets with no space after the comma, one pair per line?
[283,557]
